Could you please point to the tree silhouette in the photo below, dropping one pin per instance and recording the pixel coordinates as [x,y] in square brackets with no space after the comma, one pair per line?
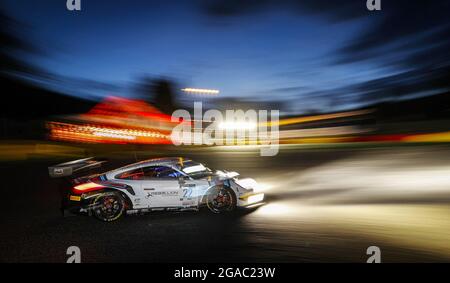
[10,45]
[160,92]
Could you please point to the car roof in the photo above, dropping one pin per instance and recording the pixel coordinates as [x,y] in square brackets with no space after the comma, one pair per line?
[157,161]
[164,161]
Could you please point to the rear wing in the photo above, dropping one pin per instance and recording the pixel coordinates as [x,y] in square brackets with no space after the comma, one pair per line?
[72,167]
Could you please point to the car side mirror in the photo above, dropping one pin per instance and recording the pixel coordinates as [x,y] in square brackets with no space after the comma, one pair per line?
[181,180]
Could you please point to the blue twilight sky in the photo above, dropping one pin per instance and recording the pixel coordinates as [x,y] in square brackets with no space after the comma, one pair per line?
[272,54]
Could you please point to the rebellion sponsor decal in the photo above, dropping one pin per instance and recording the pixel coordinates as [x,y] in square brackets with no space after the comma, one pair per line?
[162,193]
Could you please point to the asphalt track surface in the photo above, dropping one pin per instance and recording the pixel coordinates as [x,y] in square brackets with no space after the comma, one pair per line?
[323,205]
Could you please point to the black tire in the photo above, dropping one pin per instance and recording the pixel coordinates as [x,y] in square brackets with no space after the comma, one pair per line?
[108,206]
[221,199]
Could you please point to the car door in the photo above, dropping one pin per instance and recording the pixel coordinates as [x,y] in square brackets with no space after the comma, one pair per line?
[192,191]
[161,187]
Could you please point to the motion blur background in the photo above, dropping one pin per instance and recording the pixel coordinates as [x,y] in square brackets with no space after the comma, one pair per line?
[363,95]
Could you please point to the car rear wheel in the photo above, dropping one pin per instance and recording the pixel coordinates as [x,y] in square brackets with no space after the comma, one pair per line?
[220,200]
[108,206]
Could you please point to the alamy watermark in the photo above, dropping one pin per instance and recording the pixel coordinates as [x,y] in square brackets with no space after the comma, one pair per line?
[74,253]
[73,5]
[238,127]
[375,254]
[373,5]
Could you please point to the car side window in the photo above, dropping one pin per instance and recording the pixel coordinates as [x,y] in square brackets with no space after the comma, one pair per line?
[167,173]
[150,172]
[136,174]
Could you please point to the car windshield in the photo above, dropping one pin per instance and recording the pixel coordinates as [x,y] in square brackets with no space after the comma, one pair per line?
[195,170]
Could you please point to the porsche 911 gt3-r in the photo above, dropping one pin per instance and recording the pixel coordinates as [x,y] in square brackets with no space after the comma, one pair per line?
[153,185]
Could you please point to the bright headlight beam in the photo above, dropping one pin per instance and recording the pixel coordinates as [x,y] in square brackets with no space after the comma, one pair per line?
[255,198]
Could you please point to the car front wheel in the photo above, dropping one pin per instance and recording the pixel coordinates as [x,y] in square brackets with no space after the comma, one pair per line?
[220,199]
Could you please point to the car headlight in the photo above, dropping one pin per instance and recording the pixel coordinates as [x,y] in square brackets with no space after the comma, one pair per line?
[261,188]
[255,198]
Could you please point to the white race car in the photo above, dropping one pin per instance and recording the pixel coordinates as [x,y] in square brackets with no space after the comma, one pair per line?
[153,185]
